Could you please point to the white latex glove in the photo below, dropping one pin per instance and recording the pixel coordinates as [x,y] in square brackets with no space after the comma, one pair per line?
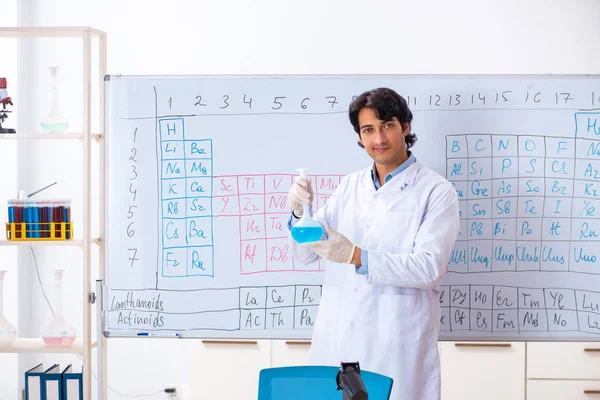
[301,192]
[337,248]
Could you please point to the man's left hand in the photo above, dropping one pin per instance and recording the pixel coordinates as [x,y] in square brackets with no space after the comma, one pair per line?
[337,249]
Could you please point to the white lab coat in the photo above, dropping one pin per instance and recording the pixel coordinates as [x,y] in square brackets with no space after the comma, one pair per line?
[388,320]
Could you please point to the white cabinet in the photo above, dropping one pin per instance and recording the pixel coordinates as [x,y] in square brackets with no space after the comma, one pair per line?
[563,370]
[229,370]
[563,390]
[212,369]
[483,371]
[290,352]
[563,360]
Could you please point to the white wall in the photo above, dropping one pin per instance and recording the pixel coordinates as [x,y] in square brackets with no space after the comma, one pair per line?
[339,36]
[307,37]
[8,255]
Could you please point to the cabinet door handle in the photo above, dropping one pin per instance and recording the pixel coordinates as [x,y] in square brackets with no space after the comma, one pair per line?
[482,344]
[591,349]
[298,342]
[209,341]
[591,391]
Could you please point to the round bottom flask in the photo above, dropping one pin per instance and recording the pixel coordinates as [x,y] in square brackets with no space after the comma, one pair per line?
[8,332]
[59,333]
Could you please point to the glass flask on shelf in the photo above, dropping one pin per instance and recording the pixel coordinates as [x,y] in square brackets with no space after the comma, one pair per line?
[59,333]
[8,332]
[55,122]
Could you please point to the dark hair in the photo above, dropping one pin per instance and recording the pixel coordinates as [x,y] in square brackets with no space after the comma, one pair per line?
[387,104]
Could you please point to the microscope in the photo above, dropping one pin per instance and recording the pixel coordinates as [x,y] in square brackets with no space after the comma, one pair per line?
[349,381]
[5,100]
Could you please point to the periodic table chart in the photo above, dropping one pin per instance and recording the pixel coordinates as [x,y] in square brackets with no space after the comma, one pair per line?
[198,170]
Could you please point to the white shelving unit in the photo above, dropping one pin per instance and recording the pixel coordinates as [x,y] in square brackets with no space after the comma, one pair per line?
[84,343]
[33,345]
[45,136]
[73,242]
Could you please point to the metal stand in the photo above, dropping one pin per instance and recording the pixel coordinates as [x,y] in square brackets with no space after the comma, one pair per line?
[99,300]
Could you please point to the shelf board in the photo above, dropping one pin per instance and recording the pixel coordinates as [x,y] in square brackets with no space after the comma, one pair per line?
[49,136]
[73,242]
[37,345]
[48,31]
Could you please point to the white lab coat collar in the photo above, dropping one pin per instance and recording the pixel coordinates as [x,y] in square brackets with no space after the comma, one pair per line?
[398,182]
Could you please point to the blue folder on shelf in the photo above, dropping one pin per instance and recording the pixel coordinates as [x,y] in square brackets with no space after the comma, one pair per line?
[51,384]
[72,385]
[33,383]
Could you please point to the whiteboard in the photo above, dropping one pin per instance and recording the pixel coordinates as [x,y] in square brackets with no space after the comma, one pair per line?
[198,169]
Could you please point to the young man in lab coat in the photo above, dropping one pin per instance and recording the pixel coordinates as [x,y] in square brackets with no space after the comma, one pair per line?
[391,228]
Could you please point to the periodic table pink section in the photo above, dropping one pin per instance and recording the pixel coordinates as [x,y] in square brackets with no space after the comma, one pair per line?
[259,202]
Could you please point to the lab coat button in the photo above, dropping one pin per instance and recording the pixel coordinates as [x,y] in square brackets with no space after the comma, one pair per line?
[356,289]
[351,323]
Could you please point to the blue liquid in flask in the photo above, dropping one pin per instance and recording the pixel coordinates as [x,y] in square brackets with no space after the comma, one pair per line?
[306,234]
[307,229]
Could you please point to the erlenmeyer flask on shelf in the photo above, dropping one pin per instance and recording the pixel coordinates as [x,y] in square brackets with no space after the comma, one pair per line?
[55,122]
[307,229]
[8,332]
[59,333]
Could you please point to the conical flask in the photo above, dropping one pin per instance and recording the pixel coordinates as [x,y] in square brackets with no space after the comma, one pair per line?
[59,333]
[8,332]
[307,229]
[55,122]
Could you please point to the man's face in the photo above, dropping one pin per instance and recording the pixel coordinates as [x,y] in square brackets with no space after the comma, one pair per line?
[383,140]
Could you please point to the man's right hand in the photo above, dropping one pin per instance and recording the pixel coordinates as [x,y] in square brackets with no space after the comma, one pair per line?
[300,193]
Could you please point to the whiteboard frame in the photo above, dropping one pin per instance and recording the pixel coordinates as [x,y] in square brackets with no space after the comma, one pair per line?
[517,338]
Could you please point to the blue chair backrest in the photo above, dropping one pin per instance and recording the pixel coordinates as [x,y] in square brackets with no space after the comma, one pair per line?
[315,383]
